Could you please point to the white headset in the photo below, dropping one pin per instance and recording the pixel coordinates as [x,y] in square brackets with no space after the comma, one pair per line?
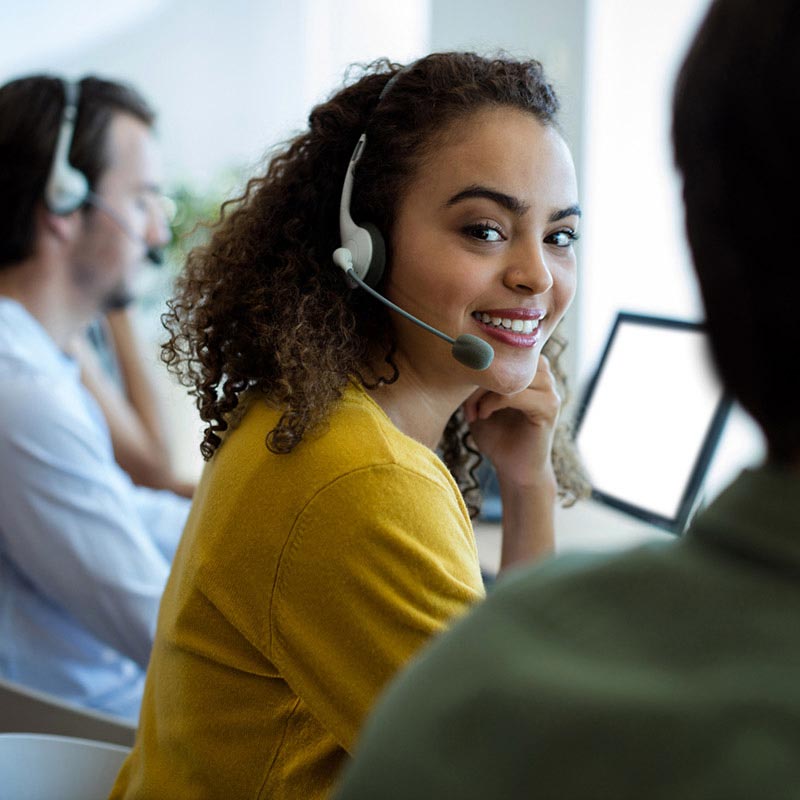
[363,249]
[67,188]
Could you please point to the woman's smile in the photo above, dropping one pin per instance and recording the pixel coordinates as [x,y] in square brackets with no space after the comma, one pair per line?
[517,327]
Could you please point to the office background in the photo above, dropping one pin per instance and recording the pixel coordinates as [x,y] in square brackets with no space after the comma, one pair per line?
[231,81]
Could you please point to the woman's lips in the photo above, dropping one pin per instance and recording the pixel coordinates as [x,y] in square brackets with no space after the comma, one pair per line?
[515,327]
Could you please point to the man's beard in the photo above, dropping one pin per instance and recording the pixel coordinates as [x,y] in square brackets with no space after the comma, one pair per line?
[121,296]
[86,278]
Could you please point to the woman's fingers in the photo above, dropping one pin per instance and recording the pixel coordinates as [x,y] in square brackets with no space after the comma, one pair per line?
[472,403]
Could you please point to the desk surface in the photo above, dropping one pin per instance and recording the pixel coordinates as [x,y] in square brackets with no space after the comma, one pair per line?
[588,525]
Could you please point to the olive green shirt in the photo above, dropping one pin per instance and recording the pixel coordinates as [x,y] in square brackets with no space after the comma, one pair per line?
[669,671]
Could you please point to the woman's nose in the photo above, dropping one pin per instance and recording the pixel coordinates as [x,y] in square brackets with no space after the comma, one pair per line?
[529,272]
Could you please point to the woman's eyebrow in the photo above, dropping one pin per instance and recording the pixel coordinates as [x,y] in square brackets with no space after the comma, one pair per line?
[572,211]
[513,204]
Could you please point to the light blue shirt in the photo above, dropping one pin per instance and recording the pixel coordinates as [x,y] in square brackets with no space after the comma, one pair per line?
[84,553]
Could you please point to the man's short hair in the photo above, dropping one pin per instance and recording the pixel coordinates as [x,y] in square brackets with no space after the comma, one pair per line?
[735,132]
[30,116]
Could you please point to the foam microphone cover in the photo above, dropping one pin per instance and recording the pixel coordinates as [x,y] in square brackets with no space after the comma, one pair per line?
[472,352]
[155,256]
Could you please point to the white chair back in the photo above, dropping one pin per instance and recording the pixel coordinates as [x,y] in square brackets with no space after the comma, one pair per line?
[24,710]
[42,767]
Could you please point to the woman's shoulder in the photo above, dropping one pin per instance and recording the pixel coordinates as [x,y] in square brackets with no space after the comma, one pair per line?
[360,434]
[357,435]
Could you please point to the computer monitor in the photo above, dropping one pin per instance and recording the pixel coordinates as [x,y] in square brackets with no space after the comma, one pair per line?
[651,419]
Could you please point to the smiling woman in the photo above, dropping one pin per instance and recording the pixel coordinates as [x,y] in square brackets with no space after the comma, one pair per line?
[480,233]
[330,538]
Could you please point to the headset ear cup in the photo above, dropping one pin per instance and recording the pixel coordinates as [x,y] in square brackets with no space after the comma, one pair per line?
[378,260]
[67,190]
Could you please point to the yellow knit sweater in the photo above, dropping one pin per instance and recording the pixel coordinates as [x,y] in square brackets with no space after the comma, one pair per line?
[302,584]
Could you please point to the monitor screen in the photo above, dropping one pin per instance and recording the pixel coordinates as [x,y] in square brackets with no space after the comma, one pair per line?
[651,418]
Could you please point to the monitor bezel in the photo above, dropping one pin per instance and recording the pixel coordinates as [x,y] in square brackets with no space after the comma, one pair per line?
[691,491]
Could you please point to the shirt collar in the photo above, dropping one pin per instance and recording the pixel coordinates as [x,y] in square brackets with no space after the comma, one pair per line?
[22,338]
[757,516]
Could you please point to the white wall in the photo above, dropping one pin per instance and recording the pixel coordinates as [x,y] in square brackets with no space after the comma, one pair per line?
[339,34]
[634,252]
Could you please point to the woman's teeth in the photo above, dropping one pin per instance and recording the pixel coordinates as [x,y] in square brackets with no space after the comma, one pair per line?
[514,325]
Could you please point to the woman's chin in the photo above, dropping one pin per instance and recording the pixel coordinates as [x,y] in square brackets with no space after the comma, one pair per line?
[508,381]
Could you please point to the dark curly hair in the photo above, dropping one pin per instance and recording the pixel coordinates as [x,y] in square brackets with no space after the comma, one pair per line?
[262,311]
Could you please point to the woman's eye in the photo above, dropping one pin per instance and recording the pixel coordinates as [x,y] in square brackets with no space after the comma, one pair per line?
[484,232]
[562,238]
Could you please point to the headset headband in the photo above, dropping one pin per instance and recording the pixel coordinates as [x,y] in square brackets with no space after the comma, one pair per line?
[364,242]
[66,189]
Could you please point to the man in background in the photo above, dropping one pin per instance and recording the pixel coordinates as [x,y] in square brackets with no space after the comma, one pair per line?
[84,552]
[670,671]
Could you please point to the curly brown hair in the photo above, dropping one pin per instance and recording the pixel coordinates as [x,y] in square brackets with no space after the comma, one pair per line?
[261,311]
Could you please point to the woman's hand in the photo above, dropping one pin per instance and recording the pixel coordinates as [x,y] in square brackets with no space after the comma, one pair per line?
[515,432]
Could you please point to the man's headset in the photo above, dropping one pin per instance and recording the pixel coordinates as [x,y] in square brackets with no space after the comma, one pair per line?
[67,188]
[362,257]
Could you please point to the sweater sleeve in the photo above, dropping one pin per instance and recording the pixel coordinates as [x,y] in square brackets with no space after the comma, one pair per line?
[377,563]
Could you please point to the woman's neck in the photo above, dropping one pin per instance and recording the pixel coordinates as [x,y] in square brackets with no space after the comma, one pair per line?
[419,405]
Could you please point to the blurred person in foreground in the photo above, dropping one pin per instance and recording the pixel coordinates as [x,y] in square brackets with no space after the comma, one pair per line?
[669,671]
[84,552]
